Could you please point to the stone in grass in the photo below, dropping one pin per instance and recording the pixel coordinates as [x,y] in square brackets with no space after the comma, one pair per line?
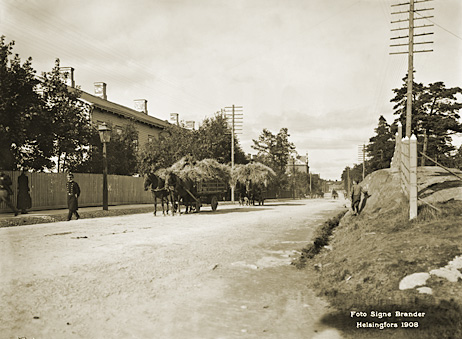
[425,290]
[413,280]
[456,262]
[447,272]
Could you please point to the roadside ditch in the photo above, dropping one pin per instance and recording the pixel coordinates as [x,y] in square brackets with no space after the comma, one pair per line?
[357,264]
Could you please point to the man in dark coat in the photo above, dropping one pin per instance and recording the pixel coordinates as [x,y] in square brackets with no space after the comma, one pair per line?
[356,191]
[6,191]
[73,193]
[24,200]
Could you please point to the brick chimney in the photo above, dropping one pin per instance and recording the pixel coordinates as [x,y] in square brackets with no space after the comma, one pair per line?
[141,105]
[100,90]
[175,118]
[67,75]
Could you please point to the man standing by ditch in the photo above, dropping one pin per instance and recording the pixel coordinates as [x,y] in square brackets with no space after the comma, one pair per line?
[355,197]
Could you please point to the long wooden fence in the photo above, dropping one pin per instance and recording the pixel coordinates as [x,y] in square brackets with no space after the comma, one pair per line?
[405,162]
[48,190]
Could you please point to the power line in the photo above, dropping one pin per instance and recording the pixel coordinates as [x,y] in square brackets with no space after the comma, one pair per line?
[444,29]
[410,43]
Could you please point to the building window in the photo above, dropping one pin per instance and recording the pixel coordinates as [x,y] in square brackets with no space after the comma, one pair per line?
[151,138]
[118,129]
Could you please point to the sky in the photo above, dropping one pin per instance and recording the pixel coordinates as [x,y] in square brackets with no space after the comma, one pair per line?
[320,68]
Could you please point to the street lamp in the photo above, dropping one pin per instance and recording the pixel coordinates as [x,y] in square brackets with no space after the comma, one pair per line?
[105,136]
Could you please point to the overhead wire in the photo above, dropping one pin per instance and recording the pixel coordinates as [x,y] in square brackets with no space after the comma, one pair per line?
[89,45]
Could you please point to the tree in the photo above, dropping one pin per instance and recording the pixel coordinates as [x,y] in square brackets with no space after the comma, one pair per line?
[173,143]
[214,142]
[70,118]
[434,117]
[274,150]
[121,153]
[381,146]
[355,173]
[22,142]
[458,159]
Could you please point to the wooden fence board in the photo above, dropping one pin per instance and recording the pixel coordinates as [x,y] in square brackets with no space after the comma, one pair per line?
[48,190]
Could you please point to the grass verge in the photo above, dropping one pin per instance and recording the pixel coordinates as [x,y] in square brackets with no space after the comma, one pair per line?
[367,258]
[31,220]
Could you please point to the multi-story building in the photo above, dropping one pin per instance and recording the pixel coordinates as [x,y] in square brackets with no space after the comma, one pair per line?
[119,116]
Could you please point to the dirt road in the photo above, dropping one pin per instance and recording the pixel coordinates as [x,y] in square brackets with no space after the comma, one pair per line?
[223,274]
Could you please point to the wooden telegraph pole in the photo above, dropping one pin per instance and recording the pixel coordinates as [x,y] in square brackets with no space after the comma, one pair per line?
[234,116]
[411,28]
[362,157]
[410,44]
[308,171]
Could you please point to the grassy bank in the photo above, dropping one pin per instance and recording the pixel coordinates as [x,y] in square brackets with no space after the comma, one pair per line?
[367,257]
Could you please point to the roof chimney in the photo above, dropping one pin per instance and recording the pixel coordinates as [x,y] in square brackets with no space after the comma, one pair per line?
[100,90]
[141,105]
[67,75]
[175,118]
[189,125]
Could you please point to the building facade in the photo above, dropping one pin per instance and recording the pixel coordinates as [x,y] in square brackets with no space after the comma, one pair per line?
[119,116]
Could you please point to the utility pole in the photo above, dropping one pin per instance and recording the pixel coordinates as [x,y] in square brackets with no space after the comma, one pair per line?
[308,171]
[234,117]
[362,157]
[348,182]
[293,177]
[410,43]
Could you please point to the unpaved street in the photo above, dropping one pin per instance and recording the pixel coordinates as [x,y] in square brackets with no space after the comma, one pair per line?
[223,274]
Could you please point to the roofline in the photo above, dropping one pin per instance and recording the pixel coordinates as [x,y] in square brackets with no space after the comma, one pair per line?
[121,110]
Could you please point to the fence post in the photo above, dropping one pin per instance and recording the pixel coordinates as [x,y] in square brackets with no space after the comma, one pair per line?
[412,177]
[396,161]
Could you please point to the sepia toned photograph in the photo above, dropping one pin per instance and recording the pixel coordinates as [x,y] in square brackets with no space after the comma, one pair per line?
[209,169]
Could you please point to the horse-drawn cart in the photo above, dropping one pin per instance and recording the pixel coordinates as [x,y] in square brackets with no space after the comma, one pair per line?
[196,183]
[210,192]
[251,181]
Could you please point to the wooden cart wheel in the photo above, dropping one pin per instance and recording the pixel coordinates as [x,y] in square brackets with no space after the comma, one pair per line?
[198,205]
[214,203]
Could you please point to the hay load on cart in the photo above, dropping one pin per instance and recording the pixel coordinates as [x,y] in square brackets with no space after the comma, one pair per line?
[251,181]
[208,180]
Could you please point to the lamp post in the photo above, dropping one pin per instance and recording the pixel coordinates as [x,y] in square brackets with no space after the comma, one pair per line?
[105,136]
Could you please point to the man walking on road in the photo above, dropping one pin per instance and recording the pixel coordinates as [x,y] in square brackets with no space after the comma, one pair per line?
[73,193]
[6,191]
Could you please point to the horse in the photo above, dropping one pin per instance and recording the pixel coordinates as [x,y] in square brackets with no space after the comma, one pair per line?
[257,194]
[250,192]
[180,189]
[254,192]
[242,194]
[158,190]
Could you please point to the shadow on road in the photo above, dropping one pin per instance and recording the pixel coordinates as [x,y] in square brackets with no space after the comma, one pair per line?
[436,320]
[249,208]
[285,204]
[236,209]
